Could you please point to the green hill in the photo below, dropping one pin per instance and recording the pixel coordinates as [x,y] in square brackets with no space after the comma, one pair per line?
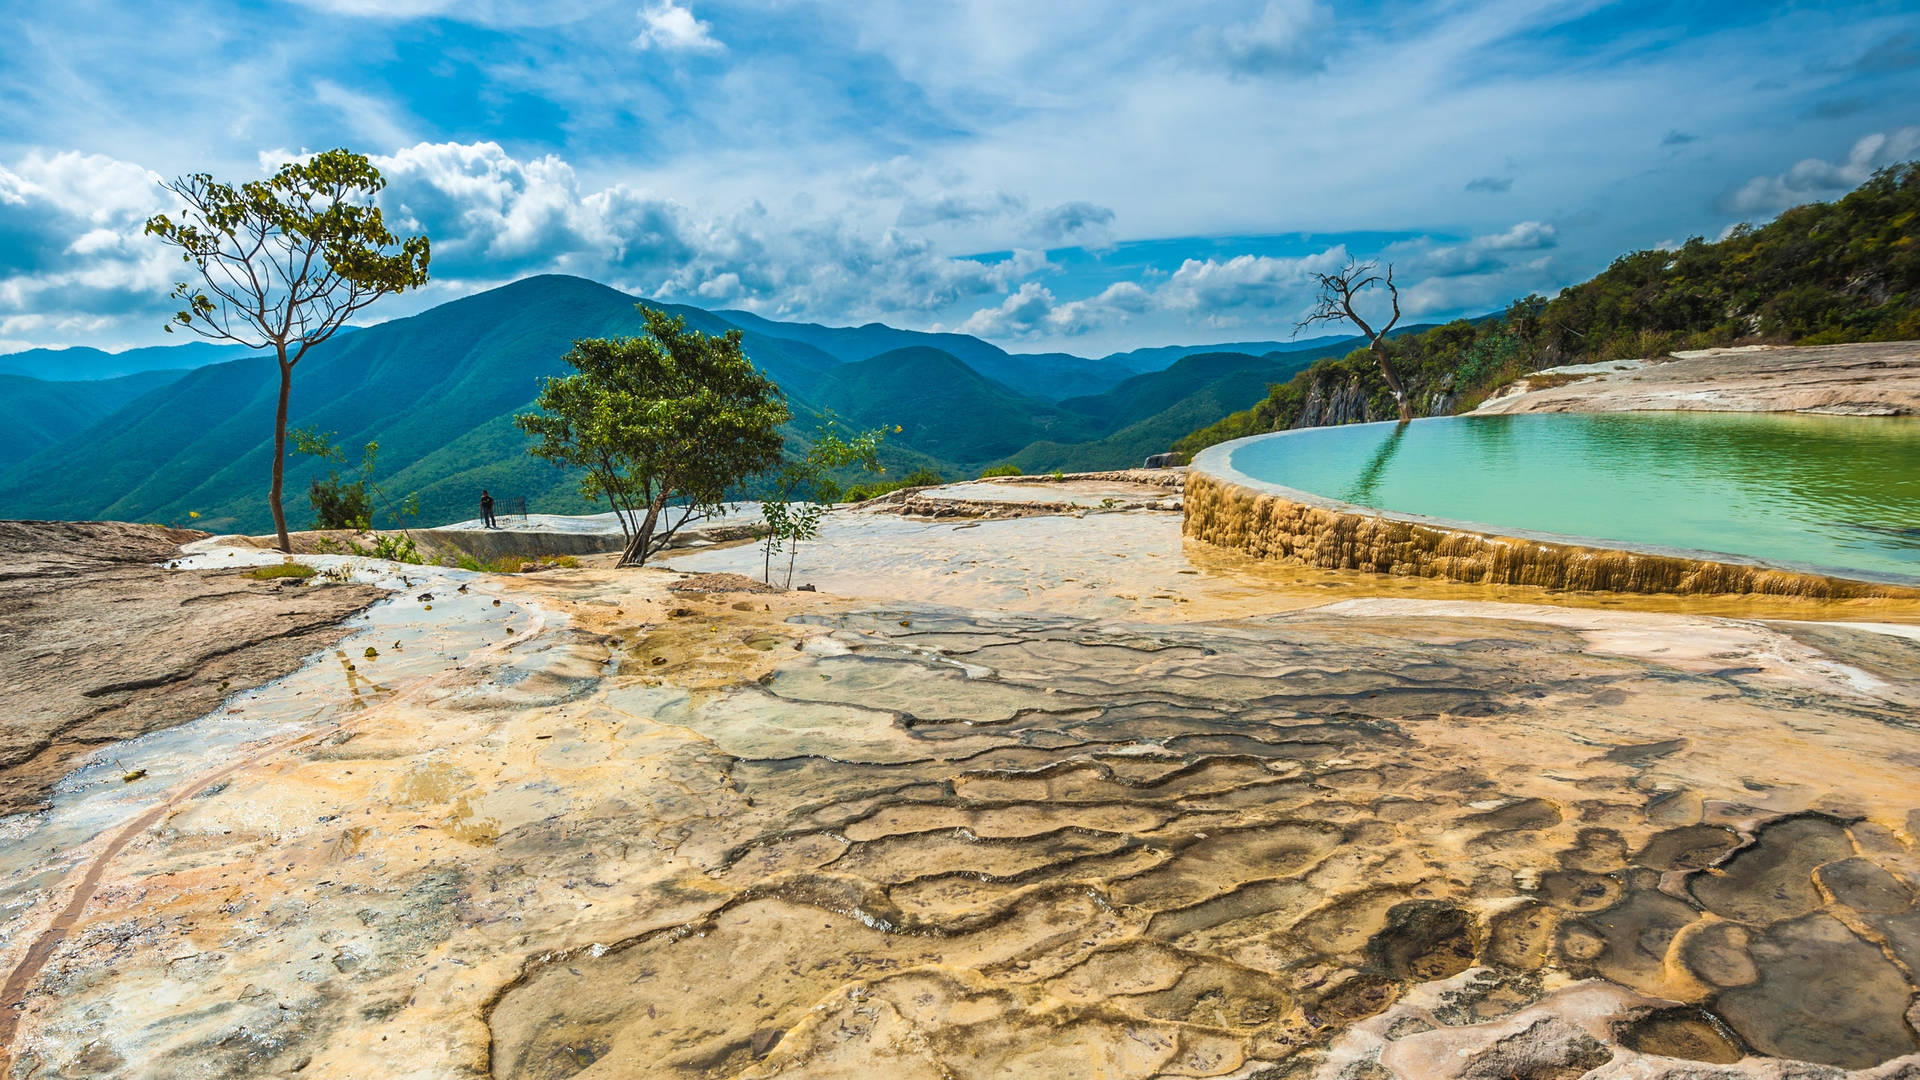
[1049,376]
[82,363]
[944,408]
[1145,414]
[1818,274]
[438,392]
[36,414]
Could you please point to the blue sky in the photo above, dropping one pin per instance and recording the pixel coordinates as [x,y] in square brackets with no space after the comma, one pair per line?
[1078,176]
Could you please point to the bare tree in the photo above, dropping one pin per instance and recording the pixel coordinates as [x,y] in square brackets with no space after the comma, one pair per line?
[1335,305]
[283,262]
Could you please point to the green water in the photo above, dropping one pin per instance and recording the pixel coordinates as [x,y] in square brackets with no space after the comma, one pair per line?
[1828,492]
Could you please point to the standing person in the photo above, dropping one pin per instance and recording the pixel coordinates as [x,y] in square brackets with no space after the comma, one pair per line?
[486,508]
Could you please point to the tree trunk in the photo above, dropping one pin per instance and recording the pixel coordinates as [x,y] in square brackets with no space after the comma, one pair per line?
[619,516]
[1393,381]
[636,552]
[280,453]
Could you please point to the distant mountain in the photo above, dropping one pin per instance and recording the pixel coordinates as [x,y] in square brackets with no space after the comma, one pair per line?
[438,392]
[944,407]
[1160,357]
[81,363]
[1051,376]
[36,413]
[1146,413]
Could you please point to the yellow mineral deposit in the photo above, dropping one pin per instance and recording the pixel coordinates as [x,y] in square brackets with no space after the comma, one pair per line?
[979,816]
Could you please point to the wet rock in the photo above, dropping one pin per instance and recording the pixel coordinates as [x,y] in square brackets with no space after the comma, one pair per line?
[1773,878]
[1690,1034]
[98,645]
[1862,885]
[1822,995]
[1425,940]
[1690,847]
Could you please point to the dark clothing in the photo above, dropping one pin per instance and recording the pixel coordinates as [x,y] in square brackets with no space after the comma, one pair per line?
[486,511]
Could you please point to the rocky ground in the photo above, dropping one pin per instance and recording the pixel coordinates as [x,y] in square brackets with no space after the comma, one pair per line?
[1049,797]
[96,647]
[1852,380]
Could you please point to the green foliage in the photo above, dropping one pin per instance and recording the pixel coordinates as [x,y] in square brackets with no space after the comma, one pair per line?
[1009,469]
[1818,274]
[804,489]
[284,262]
[400,549]
[918,478]
[318,248]
[674,418]
[338,504]
[294,570]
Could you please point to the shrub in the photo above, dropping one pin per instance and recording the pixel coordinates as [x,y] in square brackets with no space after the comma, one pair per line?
[338,504]
[1008,469]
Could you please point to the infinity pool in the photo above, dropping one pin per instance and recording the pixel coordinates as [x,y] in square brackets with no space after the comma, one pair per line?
[1832,493]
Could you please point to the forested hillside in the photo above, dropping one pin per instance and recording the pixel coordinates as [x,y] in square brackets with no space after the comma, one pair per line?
[1818,274]
[438,391]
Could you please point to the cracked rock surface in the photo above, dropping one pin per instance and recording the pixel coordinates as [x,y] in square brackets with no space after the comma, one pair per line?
[98,646]
[640,832]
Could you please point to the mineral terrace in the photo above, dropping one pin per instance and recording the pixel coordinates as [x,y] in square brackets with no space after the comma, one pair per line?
[1029,796]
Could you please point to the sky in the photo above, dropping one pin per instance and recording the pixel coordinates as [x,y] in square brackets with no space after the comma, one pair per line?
[1081,176]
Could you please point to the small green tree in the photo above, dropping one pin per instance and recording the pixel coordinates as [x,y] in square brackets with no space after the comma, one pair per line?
[338,504]
[283,263]
[804,490]
[668,421]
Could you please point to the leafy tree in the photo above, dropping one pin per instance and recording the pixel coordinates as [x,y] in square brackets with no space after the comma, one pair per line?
[284,262]
[668,421]
[338,504]
[1335,304]
[804,490]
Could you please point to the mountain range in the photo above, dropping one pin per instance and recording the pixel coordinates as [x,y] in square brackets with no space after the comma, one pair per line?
[438,392]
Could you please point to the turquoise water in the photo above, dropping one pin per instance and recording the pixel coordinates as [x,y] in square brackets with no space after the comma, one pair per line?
[1829,492]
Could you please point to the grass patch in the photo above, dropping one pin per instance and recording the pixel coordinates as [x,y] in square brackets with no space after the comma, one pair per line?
[297,571]
[515,564]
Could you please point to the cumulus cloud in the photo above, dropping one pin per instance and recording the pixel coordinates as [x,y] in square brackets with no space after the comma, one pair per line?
[1212,292]
[668,27]
[73,255]
[1478,272]
[1283,38]
[1816,179]
[958,208]
[1082,223]
[493,216]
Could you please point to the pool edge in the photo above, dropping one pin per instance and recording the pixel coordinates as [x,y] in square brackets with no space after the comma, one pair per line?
[1268,521]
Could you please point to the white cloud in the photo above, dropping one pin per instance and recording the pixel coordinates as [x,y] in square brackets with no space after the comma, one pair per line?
[370,117]
[1206,292]
[384,9]
[1079,223]
[671,28]
[76,257]
[959,208]
[492,215]
[1283,37]
[1815,179]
